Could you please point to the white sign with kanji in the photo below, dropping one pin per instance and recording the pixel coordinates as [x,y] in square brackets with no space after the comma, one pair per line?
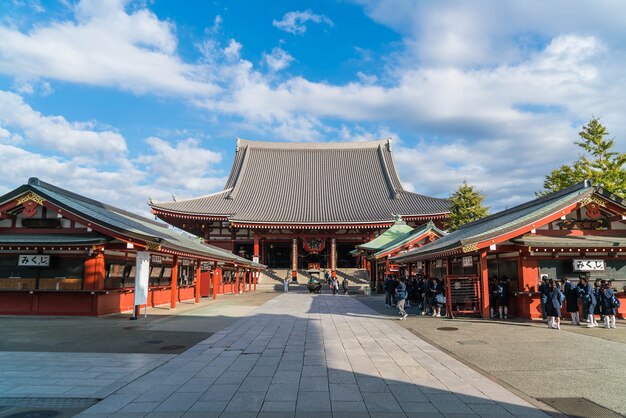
[34,260]
[588,265]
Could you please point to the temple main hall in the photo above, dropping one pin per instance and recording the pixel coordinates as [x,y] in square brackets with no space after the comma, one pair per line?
[304,205]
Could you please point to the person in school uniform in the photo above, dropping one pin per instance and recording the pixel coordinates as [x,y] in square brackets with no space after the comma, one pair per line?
[606,302]
[503,297]
[493,290]
[544,290]
[553,307]
[571,300]
[590,301]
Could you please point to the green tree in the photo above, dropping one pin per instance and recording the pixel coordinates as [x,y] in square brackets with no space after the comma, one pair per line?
[466,205]
[599,164]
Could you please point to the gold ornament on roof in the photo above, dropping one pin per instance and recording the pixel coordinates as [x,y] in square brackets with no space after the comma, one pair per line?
[30,196]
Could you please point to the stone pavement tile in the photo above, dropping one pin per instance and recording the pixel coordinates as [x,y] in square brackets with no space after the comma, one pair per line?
[268,361]
[314,370]
[166,414]
[345,392]
[178,402]
[256,384]
[313,402]
[490,410]
[219,393]
[139,407]
[286,365]
[121,414]
[341,376]
[381,402]
[245,402]
[314,384]
[282,392]
[234,377]
[349,414]
[157,393]
[341,406]
[316,414]
[448,403]
[198,384]
[111,404]
[276,414]
[407,393]
[263,370]
[288,376]
[209,406]
[314,361]
[522,411]
[276,406]
[418,407]
[202,414]
[371,384]
[387,414]
[238,414]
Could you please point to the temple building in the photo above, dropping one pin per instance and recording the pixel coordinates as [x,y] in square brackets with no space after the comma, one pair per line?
[578,231]
[65,254]
[304,205]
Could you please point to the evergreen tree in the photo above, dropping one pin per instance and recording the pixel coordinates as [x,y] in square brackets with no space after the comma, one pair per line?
[466,206]
[601,165]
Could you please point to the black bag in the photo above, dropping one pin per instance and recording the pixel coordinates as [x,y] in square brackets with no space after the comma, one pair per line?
[615,302]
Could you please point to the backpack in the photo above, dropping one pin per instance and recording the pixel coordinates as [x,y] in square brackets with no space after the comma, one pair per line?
[615,302]
[561,297]
[499,290]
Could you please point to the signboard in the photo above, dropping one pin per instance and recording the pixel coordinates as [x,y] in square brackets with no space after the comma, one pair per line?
[588,265]
[205,266]
[142,274]
[157,259]
[255,259]
[467,261]
[34,260]
[394,267]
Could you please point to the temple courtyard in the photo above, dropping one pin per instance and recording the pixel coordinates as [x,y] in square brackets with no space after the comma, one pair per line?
[270,354]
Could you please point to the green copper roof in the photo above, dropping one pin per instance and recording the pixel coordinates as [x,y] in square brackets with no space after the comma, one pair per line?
[498,224]
[397,231]
[408,237]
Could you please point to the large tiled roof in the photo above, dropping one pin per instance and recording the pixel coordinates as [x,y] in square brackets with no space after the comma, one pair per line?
[500,223]
[572,241]
[125,223]
[311,183]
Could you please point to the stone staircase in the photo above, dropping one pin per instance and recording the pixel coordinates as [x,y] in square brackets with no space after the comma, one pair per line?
[358,279]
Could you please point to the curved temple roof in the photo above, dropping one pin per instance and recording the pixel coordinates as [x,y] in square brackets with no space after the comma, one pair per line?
[311,183]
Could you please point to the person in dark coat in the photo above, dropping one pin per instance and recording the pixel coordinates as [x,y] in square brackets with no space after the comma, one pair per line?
[344,285]
[493,289]
[571,299]
[439,299]
[389,289]
[544,290]
[502,299]
[401,295]
[553,307]
[589,299]
[580,287]
[606,302]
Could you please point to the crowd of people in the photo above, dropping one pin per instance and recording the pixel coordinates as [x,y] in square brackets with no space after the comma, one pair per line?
[427,294]
[590,299]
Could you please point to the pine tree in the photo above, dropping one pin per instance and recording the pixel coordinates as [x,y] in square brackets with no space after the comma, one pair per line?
[601,165]
[466,206]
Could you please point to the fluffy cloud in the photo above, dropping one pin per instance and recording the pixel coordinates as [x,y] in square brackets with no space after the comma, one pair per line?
[104,46]
[55,132]
[278,59]
[295,22]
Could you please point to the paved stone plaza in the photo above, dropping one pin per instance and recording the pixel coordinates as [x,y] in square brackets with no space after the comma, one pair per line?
[316,356]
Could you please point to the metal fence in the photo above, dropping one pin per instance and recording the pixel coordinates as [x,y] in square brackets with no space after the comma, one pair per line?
[462,295]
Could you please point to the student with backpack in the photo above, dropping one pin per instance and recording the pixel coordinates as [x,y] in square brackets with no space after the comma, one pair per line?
[609,304]
[553,308]
[544,290]
[589,301]
[502,299]
[571,300]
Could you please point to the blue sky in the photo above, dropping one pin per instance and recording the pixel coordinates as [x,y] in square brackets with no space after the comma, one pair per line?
[125,100]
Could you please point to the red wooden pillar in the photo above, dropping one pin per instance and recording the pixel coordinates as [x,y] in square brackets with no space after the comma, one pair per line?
[256,251]
[483,274]
[198,272]
[410,265]
[237,281]
[249,273]
[216,282]
[294,258]
[94,272]
[256,277]
[333,257]
[174,284]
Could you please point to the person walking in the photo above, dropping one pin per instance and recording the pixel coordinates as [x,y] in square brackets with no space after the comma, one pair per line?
[286,285]
[553,308]
[571,300]
[335,285]
[544,290]
[439,299]
[344,285]
[607,296]
[388,292]
[590,302]
[401,295]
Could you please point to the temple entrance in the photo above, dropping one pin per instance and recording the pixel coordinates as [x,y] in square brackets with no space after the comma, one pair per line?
[344,258]
[277,254]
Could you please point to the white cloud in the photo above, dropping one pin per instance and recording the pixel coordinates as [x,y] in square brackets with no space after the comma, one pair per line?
[185,165]
[105,46]
[278,59]
[295,22]
[55,132]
